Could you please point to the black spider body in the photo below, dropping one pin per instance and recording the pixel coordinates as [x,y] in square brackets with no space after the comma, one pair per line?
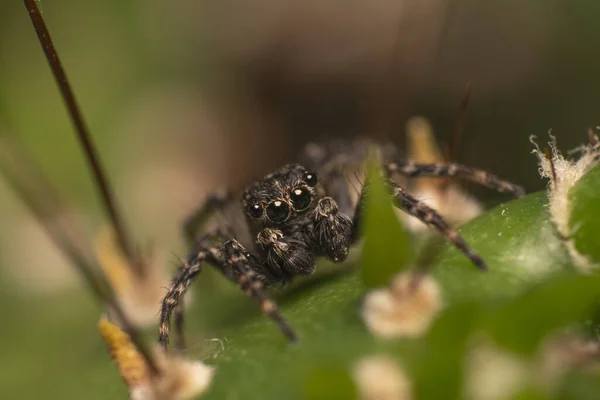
[300,213]
[281,214]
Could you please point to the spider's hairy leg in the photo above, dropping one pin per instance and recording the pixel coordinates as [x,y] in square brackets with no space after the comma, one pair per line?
[332,231]
[286,255]
[429,216]
[207,241]
[237,265]
[196,221]
[193,224]
[424,213]
[184,278]
[244,269]
[416,170]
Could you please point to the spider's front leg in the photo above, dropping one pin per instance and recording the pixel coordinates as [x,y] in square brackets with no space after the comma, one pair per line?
[183,279]
[452,170]
[237,265]
[244,269]
[332,230]
[204,243]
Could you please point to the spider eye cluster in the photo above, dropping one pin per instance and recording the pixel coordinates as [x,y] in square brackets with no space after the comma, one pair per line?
[278,211]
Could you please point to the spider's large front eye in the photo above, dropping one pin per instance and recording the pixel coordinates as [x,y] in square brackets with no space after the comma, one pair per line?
[300,199]
[310,178]
[255,211]
[278,211]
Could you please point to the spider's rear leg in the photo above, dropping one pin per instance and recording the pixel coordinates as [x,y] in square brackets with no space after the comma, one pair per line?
[415,170]
[429,216]
[425,214]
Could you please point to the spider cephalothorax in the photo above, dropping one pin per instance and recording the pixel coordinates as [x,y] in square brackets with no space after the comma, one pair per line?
[293,217]
[282,198]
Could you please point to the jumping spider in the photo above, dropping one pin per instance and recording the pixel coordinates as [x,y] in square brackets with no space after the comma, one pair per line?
[296,214]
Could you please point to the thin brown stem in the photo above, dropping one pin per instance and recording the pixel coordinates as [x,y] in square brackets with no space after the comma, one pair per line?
[459,124]
[83,135]
[451,150]
[548,155]
[593,139]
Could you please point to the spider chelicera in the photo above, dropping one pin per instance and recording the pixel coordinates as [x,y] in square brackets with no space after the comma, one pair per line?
[296,214]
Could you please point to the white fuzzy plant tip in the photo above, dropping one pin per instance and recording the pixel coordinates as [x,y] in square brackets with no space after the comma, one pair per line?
[405,309]
[381,378]
[563,352]
[493,374]
[563,173]
[178,378]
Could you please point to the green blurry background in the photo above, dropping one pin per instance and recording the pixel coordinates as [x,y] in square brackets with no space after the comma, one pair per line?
[185,96]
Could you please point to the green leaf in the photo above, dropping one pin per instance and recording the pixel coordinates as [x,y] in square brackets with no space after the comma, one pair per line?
[325,310]
[387,248]
[524,322]
[527,293]
[585,214]
[580,385]
[440,372]
[518,242]
[530,393]
[330,383]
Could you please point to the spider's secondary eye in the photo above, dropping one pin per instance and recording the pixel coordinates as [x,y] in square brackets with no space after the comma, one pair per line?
[300,199]
[255,211]
[278,211]
[310,178]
